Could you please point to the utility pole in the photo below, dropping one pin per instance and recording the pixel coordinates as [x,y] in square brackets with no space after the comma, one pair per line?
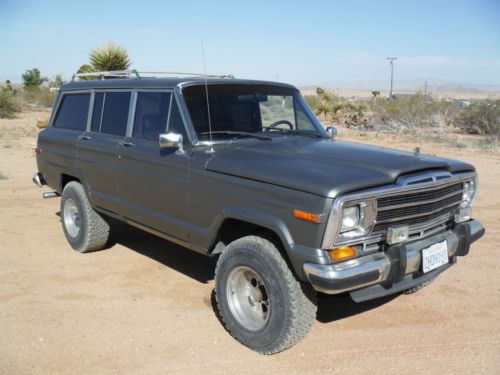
[391,61]
[425,88]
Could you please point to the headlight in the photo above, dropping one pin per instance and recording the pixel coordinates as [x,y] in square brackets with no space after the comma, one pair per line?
[350,219]
[464,212]
[469,192]
[356,219]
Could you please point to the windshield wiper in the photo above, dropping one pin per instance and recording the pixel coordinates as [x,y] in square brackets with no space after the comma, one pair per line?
[239,134]
[299,132]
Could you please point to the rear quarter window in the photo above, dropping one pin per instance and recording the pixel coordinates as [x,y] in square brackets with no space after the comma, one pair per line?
[73,112]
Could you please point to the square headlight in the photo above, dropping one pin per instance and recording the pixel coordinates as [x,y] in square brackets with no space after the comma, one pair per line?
[356,219]
[469,192]
[350,219]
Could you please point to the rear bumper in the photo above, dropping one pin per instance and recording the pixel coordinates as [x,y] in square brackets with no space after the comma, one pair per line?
[396,269]
[38,179]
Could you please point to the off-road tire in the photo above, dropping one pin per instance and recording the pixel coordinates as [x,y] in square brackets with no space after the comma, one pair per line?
[292,304]
[416,288]
[93,231]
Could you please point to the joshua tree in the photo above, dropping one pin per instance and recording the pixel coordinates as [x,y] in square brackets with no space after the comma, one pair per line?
[375,94]
[319,91]
[108,58]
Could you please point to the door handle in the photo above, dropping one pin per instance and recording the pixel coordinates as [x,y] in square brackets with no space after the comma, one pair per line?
[127,144]
[85,137]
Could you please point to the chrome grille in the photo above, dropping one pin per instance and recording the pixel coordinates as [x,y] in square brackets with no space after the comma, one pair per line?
[419,210]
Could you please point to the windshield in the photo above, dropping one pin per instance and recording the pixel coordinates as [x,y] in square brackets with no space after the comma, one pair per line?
[249,109]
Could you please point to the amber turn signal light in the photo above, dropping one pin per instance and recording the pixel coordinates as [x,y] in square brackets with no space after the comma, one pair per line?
[307,216]
[342,253]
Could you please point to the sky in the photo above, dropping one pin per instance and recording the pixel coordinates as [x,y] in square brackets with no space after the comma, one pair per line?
[303,42]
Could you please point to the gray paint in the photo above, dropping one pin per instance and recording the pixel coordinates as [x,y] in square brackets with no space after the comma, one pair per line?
[185,197]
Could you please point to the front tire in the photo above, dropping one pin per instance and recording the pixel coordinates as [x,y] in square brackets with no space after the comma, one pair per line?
[83,227]
[259,299]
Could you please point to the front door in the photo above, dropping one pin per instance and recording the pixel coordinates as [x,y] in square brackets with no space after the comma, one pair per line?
[152,183]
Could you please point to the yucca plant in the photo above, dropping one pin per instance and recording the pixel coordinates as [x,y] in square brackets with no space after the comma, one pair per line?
[108,58]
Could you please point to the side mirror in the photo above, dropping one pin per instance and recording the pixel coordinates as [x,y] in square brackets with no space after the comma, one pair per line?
[171,140]
[332,131]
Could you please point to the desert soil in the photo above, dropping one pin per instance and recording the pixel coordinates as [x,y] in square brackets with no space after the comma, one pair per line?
[146,306]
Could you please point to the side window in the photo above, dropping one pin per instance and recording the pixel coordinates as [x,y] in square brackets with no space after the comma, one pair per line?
[175,123]
[95,126]
[115,113]
[73,112]
[151,113]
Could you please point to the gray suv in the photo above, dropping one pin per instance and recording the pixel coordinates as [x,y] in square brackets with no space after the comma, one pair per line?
[244,171]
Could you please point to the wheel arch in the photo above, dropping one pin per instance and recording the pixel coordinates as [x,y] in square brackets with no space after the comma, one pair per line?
[237,222]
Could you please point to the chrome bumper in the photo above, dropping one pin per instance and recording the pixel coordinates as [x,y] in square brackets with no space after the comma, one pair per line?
[375,269]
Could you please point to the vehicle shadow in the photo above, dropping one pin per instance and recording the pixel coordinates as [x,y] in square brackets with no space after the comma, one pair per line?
[196,266]
[333,308]
[202,269]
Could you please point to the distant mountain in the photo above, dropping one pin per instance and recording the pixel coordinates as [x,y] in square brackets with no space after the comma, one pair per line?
[433,85]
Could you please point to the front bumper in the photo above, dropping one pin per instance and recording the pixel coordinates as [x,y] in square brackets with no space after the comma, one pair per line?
[397,269]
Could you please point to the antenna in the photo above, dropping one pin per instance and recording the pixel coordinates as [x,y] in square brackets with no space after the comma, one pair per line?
[206,92]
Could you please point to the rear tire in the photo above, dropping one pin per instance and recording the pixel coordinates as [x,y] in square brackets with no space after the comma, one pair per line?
[83,227]
[260,301]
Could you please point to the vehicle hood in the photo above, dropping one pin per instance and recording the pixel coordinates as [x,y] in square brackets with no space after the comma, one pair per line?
[322,166]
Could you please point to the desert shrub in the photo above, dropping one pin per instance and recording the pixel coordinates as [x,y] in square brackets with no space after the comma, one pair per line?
[39,95]
[33,78]
[480,118]
[414,114]
[8,105]
[412,111]
[351,114]
[312,101]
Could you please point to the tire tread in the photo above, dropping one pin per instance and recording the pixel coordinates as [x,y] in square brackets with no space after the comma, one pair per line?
[303,300]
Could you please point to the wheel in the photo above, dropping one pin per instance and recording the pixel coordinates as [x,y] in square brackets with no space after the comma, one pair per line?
[260,301]
[416,288]
[83,227]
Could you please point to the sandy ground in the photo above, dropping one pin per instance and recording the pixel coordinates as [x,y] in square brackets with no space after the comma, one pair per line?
[146,306]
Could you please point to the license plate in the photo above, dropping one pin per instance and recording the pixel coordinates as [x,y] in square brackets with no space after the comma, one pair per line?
[434,256]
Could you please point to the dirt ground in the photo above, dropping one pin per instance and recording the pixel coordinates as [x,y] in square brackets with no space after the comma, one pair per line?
[146,306]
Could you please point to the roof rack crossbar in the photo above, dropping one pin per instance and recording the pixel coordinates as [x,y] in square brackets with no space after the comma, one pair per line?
[112,73]
[192,74]
[135,74]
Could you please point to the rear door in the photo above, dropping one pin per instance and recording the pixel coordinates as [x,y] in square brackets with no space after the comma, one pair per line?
[97,147]
[153,183]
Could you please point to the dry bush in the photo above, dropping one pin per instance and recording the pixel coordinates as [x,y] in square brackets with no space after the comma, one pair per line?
[8,105]
[38,95]
[481,118]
